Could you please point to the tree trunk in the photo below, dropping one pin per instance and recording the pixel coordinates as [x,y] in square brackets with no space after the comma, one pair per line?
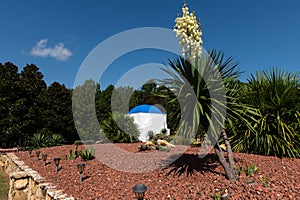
[229,151]
[230,174]
[229,167]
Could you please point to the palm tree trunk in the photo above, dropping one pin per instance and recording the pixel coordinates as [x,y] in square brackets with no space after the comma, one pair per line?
[229,167]
[230,174]
[229,150]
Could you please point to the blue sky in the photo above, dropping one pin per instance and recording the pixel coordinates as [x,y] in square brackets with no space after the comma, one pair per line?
[58,35]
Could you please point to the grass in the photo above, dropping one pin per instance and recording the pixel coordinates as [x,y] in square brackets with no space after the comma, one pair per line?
[3,185]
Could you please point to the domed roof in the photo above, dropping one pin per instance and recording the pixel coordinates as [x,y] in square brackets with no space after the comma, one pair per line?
[145,109]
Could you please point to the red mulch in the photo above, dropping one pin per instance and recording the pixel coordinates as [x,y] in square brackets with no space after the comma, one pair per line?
[189,177]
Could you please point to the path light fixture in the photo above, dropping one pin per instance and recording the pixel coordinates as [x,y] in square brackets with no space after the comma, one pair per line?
[37,153]
[30,151]
[139,191]
[44,156]
[80,169]
[56,161]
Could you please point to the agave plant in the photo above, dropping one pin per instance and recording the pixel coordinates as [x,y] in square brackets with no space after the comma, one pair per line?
[275,95]
[39,140]
[87,154]
[55,140]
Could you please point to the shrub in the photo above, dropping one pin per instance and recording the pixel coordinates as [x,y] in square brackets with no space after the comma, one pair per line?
[146,147]
[87,154]
[39,140]
[55,140]
[162,137]
[273,127]
[120,128]
[72,155]
[163,148]
[151,135]
[163,131]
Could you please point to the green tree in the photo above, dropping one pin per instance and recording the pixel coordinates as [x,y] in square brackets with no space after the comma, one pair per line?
[84,113]
[9,94]
[120,128]
[103,103]
[31,84]
[54,107]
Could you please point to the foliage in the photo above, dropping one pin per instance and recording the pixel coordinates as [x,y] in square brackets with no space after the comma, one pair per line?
[83,102]
[72,155]
[28,106]
[145,147]
[151,135]
[121,128]
[39,140]
[54,107]
[240,170]
[162,136]
[163,131]
[274,127]
[248,171]
[267,181]
[87,154]
[254,168]
[216,196]
[55,140]
[163,148]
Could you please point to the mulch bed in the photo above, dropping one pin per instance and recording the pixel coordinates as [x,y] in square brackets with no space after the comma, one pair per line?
[119,167]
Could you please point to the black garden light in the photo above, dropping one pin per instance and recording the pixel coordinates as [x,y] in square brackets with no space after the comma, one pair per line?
[139,191]
[56,161]
[80,169]
[30,151]
[37,153]
[44,156]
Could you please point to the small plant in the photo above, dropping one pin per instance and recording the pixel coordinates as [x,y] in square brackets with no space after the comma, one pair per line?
[39,140]
[249,171]
[151,135]
[254,168]
[240,170]
[163,131]
[145,147]
[162,137]
[267,182]
[216,196]
[87,154]
[72,155]
[162,148]
[55,140]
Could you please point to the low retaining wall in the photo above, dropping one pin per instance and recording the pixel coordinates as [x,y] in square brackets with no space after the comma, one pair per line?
[27,184]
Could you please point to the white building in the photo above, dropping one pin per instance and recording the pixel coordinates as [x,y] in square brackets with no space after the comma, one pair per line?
[149,118]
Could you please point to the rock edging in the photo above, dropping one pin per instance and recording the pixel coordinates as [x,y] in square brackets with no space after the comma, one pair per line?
[27,184]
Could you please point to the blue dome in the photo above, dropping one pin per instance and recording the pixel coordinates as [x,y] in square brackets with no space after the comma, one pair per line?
[145,109]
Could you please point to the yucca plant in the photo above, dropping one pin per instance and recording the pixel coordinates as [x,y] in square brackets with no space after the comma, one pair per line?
[206,91]
[275,96]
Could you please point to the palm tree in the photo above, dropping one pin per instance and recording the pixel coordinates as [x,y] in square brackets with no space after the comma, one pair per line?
[275,96]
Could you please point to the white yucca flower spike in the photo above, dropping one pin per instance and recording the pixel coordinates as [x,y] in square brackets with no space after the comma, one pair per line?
[189,32]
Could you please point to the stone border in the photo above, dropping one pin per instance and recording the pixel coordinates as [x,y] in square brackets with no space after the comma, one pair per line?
[27,184]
